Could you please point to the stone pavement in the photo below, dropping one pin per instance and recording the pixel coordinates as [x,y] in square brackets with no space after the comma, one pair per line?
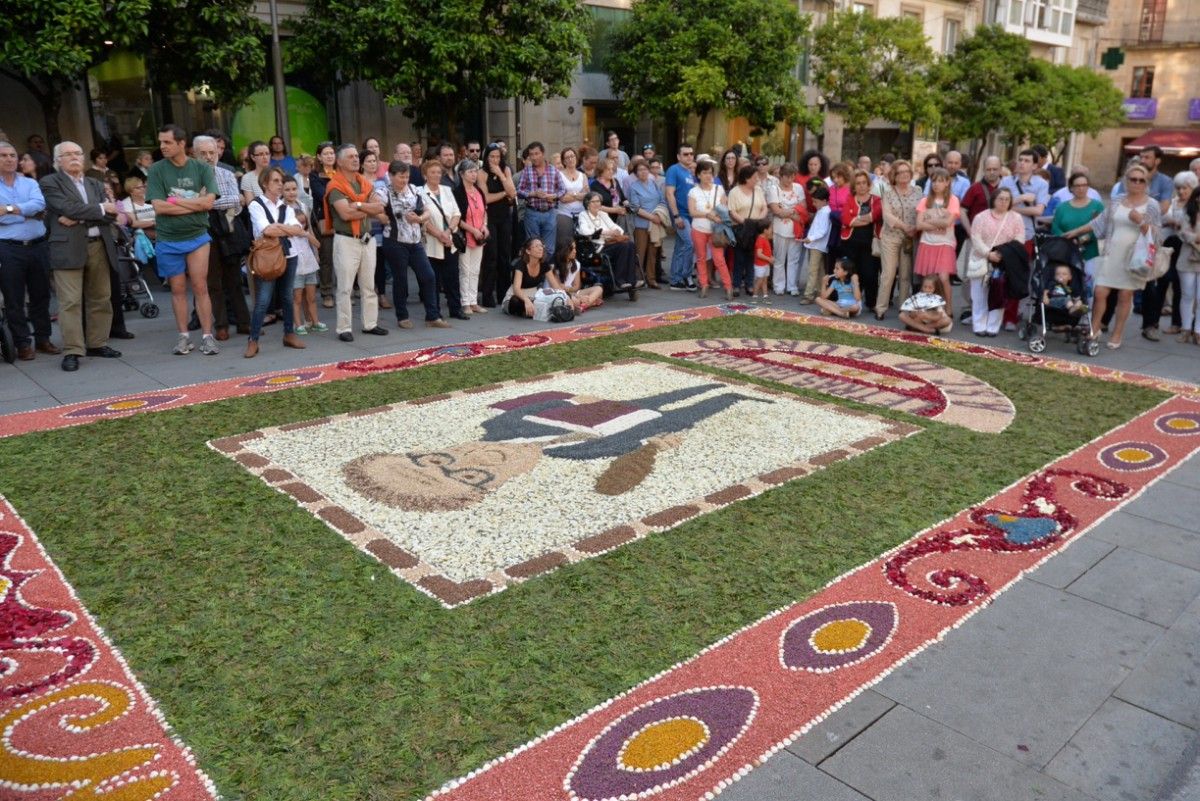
[1080,683]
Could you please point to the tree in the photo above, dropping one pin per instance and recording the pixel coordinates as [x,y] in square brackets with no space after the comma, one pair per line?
[992,83]
[434,57]
[980,85]
[60,40]
[1062,100]
[216,43]
[875,68]
[674,58]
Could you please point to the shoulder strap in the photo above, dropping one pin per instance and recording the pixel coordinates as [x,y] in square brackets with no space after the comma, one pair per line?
[445,222]
[266,209]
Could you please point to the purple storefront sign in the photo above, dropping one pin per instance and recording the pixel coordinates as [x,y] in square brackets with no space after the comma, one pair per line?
[1194,109]
[1140,108]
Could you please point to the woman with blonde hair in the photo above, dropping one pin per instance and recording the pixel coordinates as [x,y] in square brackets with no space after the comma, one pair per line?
[1135,214]
[899,199]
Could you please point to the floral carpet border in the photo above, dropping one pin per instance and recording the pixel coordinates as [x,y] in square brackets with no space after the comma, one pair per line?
[74,720]
[696,728]
[139,403]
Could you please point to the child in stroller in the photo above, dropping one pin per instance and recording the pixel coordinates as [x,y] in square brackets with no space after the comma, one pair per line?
[1061,295]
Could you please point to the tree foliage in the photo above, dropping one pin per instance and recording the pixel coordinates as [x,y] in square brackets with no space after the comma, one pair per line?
[213,42]
[217,43]
[992,83]
[875,68]
[433,56]
[1062,100]
[674,58]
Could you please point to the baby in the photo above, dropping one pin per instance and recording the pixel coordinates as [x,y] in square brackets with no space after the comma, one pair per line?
[925,311]
[1059,296]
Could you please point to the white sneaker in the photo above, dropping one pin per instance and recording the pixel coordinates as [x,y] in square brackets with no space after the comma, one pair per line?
[184,346]
[208,346]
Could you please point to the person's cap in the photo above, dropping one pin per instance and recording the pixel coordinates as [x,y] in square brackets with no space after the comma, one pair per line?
[647,147]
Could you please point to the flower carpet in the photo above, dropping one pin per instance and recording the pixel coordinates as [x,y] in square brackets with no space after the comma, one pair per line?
[628,559]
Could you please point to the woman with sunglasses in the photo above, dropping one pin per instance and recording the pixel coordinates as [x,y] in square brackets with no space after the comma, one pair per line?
[932,162]
[1134,214]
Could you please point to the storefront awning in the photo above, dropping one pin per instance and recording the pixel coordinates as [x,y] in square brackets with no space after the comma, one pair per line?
[1174,142]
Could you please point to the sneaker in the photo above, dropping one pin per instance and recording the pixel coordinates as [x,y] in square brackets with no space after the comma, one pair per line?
[318,328]
[301,330]
[795,293]
[965,317]
[208,346]
[1010,326]
[184,346]
[679,287]
[1151,334]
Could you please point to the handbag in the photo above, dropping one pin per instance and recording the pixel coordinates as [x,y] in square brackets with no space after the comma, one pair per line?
[719,238]
[875,247]
[546,301]
[977,266]
[269,254]
[1162,262]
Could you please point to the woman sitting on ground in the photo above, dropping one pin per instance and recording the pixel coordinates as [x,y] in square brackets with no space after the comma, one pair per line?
[529,273]
[570,275]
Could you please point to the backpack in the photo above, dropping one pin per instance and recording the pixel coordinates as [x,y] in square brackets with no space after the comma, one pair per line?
[269,254]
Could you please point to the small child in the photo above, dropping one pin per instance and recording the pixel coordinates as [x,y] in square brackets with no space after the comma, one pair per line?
[1059,296]
[925,311]
[304,288]
[763,256]
[816,243]
[841,296]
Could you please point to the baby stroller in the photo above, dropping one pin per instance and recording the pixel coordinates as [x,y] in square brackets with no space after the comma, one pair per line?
[129,275]
[597,268]
[1052,252]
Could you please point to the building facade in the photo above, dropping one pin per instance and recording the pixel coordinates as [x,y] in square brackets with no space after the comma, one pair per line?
[1151,51]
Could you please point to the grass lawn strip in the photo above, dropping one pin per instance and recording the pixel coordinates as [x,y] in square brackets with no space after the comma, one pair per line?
[298,670]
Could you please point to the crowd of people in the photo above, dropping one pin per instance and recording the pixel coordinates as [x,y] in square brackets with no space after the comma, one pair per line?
[482,231]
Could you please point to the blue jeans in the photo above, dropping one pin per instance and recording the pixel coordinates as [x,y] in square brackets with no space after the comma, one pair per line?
[683,258]
[400,256]
[264,291]
[542,225]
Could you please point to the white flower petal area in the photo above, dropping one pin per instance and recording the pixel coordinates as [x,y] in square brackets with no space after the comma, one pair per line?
[484,480]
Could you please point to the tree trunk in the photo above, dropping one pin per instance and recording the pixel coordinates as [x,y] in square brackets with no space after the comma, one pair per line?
[51,102]
[700,130]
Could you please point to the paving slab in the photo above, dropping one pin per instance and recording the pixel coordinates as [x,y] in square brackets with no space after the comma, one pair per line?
[784,777]
[908,757]
[1068,565]
[1139,585]
[1024,674]
[15,385]
[820,742]
[1141,534]
[1168,680]
[1169,502]
[1122,754]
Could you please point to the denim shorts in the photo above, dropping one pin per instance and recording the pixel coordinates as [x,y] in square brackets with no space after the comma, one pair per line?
[172,256]
[310,279]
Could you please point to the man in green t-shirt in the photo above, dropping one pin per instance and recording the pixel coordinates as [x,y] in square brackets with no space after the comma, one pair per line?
[182,191]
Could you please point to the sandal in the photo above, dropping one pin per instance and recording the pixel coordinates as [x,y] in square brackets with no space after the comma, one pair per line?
[1113,346]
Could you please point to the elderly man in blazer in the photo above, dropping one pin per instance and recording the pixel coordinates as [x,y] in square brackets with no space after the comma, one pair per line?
[82,252]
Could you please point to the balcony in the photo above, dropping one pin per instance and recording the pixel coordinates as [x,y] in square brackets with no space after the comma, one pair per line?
[1166,33]
[1050,22]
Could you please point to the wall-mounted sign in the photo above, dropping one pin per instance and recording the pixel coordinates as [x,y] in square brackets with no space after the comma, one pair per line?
[1140,108]
[1194,109]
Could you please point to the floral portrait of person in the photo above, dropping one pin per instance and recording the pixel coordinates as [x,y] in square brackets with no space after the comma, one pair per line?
[554,424]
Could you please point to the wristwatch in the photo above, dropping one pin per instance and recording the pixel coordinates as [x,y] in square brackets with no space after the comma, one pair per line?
[10,209]
[358,204]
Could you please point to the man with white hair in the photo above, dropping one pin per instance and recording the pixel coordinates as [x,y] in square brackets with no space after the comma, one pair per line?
[82,252]
[1195,167]
[24,258]
[224,267]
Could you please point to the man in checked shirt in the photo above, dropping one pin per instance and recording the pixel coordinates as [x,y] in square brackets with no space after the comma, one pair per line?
[540,186]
